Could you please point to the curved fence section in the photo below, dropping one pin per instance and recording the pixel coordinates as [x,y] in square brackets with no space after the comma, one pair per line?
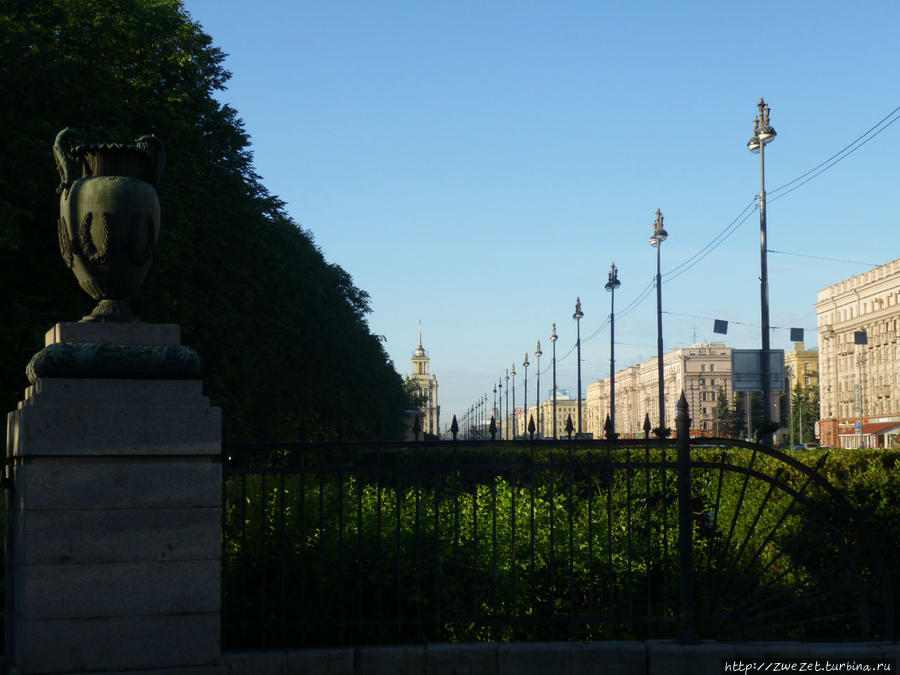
[358,544]
[779,553]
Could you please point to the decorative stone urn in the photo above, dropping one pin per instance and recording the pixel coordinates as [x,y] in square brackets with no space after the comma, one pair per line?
[108,216]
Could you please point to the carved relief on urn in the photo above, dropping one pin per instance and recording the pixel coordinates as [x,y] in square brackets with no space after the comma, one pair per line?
[109,217]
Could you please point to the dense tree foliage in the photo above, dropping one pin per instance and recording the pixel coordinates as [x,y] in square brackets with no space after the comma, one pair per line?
[283,334]
[803,414]
[724,415]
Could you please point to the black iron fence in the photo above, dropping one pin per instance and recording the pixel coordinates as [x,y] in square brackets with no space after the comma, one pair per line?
[386,543]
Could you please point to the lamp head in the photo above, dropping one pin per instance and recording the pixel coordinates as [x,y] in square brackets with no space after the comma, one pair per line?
[578,313]
[763,131]
[613,282]
[659,232]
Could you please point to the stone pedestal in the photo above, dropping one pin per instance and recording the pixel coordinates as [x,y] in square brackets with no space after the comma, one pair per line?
[113,534]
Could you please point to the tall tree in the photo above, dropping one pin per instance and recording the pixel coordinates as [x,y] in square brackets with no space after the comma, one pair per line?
[739,415]
[804,413]
[283,335]
[724,415]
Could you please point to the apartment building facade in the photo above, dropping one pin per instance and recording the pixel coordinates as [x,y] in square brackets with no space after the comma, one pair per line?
[700,371]
[859,359]
[566,405]
[801,366]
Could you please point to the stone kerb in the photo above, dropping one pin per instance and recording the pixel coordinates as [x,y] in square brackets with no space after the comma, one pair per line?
[114,520]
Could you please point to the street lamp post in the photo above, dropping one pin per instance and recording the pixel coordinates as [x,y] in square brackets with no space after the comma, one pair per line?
[577,316]
[538,353]
[494,413]
[500,412]
[611,286]
[507,403]
[514,428]
[483,416]
[656,240]
[525,403]
[553,338]
[477,418]
[763,134]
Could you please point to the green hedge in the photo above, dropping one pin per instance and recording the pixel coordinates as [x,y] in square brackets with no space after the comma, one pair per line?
[456,555]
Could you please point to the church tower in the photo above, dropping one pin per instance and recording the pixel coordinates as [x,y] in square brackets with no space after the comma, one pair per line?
[426,388]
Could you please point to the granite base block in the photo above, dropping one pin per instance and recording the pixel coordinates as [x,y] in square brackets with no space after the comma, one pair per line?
[122,536]
[123,643]
[138,483]
[87,591]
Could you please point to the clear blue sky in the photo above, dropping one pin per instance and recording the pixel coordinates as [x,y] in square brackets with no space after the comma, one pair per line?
[478,165]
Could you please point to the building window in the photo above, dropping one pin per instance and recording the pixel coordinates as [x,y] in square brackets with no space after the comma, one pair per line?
[712,367]
[702,367]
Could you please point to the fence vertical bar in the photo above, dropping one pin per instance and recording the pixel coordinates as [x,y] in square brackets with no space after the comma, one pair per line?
[340,551]
[571,524]
[648,556]
[264,564]
[245,600]
[282,565]
[398,557]
[420,628]
[688,632]
[303,548]
[628,540]
[475,581]
[533,577]
[609,542]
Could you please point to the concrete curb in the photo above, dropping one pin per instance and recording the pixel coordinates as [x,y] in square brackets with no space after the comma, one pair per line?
[652,657]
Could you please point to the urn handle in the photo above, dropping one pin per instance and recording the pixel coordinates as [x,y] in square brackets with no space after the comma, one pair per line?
[155,149]
[68,162]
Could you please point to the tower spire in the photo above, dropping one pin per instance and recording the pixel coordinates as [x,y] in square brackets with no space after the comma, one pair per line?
[420,333]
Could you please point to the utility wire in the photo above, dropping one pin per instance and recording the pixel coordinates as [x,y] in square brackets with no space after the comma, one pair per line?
[841,152]
[742,217]
[717,241]
[797,182]
[819,257]
[737,323]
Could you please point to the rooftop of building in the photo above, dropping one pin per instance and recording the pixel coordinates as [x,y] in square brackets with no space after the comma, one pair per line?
[848,285]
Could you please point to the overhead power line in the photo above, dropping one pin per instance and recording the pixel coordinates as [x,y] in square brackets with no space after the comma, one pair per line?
[840,155]
[820,257]
[726,232]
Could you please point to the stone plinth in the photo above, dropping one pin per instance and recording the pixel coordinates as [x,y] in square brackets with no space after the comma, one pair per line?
[155,334]
[114,546]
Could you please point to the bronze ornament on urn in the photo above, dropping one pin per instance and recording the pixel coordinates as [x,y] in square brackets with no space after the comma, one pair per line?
[109,216]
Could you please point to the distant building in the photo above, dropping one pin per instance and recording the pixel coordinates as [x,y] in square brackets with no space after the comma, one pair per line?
[802,366]
[566,404]
[427,389]
[699,371]
[859,359]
